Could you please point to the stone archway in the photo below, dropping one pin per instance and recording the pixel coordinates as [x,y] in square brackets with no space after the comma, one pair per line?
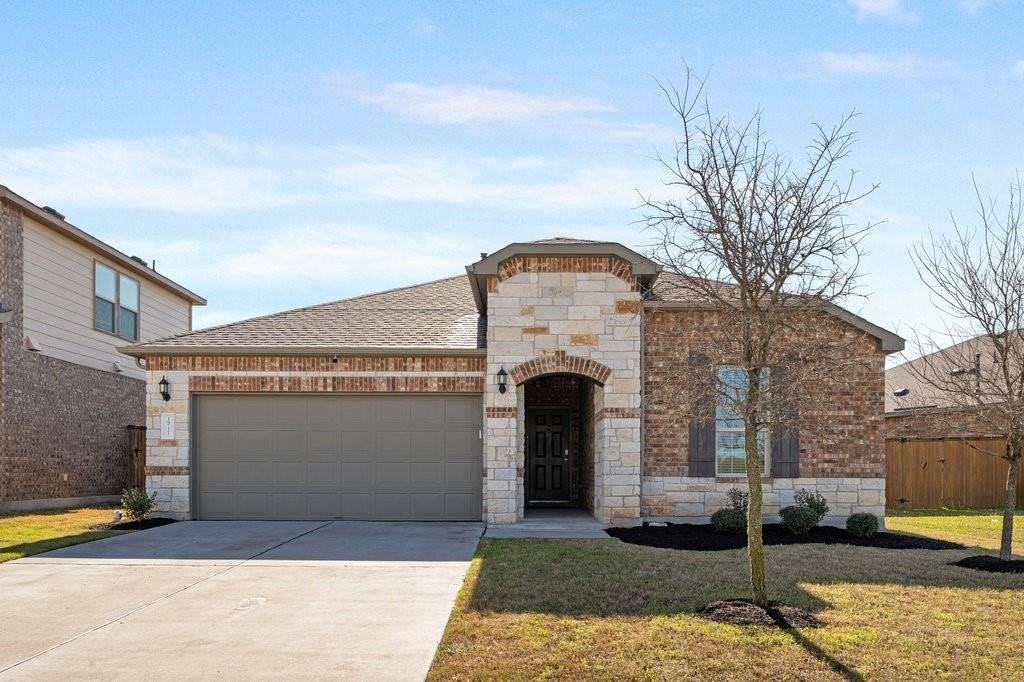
[560,362]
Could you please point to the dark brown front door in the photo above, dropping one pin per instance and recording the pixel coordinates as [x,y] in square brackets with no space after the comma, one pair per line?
[547,455]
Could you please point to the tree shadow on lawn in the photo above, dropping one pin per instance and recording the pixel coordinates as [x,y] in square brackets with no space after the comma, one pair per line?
[608,578]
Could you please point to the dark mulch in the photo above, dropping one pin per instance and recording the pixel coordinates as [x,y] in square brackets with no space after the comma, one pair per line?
[703,537]
[743,612]
[142,524]
[992,564]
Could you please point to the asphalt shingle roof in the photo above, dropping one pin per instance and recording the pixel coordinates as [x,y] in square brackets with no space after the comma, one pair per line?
[435,315]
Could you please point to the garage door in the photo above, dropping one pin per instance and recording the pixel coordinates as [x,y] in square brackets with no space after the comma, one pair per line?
[338,457]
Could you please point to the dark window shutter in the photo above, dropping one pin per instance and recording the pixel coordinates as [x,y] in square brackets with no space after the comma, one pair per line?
[785,437]
[702,432]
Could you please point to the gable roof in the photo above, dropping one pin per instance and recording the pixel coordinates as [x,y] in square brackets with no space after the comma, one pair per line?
[438,316]
[56,222]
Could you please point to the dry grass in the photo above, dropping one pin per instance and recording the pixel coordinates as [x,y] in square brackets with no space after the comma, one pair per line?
[601,609]
[24,534]
[972,527]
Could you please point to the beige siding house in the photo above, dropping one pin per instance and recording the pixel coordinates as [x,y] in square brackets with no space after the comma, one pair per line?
[67,395]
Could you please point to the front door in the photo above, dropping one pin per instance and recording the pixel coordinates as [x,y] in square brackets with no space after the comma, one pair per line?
[547,455]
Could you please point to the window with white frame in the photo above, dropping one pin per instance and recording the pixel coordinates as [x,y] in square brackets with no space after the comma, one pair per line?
[115,303]
[730,457]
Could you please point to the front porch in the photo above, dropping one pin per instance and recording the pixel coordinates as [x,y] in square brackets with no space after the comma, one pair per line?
[540,522]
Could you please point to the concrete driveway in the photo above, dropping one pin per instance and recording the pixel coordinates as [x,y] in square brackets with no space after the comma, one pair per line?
[237,599]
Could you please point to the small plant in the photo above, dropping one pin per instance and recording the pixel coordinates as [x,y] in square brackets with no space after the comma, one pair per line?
[738,499]
[798,519]
[136,503]
[862,524]
[729,520]
[813,501]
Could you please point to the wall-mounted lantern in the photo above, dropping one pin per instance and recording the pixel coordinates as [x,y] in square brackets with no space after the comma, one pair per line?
[502,380]
[165,388]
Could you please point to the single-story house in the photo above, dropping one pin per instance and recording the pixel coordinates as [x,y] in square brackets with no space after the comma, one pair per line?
[548,374]
[68,397]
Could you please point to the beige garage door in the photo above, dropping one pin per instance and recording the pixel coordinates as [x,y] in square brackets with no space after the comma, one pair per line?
[338,457]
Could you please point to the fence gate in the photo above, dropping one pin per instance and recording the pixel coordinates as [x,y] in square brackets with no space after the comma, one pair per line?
[137,457]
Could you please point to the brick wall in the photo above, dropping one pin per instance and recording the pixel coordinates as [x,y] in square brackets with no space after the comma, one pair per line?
[842,449]
[62,426]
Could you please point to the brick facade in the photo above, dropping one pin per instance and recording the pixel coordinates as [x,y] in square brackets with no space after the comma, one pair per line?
[842,449]
[62,426]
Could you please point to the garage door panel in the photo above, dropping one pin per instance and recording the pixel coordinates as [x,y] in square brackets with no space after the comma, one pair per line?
[427,475]
[426,445]
[393,445]
[252,442]
[250,412]
[462,445]
[357,445]
[323,442]
[326,457]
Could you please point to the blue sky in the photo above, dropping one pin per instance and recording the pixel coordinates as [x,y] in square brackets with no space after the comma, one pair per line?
[272,155]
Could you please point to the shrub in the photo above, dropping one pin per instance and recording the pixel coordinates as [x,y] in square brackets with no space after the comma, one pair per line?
[136,503]
[813,501]
[862,525]
[738,499]
[798,519]
[729,520]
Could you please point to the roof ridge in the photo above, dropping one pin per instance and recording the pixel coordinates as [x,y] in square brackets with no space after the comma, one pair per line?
[304,308]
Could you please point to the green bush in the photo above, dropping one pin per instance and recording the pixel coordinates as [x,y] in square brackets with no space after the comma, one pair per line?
[798,519]
[813,501]
[136,504]
[862,525]
[729,520]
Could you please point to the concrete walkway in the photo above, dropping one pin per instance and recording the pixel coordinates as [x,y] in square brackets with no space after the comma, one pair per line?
[551,523]
[245,600]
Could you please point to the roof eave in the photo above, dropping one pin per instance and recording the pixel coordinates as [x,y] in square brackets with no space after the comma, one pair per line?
[888,341]
[144,350]
[85,239]
[641,264]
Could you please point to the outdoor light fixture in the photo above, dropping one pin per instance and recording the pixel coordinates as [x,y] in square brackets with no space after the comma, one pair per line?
[502,380]
[165,388]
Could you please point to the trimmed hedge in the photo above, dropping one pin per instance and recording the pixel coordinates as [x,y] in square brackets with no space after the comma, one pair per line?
[862,525]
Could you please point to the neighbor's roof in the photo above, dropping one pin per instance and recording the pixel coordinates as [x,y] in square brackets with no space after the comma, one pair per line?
[57,223]
[436,316]
[913,376]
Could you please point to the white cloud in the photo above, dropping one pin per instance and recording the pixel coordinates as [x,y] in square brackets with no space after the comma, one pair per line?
[210,174]
[1018,68]
[890,10]
[876,64]
[460,104]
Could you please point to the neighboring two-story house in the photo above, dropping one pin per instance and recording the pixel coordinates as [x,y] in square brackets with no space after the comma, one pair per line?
[67,395]
[550,373]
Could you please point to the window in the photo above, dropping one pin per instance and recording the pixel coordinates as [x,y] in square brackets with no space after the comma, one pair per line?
[729,456]
[115,303]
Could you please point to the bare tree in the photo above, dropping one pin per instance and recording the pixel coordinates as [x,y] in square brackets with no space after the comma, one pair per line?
[976,277]
[764,242]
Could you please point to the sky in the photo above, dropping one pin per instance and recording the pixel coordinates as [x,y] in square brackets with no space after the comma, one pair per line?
[281,154]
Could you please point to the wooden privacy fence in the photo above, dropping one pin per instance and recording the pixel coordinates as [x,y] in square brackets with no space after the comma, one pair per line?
[936,473]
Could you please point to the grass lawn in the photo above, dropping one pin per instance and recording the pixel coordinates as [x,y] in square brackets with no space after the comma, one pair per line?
[602,609]
[971,527]
[26,533]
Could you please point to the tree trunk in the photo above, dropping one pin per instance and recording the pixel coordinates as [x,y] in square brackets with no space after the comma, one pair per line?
[1010,503]
[754,465]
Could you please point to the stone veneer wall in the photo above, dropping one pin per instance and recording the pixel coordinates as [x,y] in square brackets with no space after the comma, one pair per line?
[168,461]
[842,449]
[562,314]
[63,428]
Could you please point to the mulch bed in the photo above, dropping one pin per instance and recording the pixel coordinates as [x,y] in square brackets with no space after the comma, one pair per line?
[992,564]
[141,525]
[703,537]
[743,612]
